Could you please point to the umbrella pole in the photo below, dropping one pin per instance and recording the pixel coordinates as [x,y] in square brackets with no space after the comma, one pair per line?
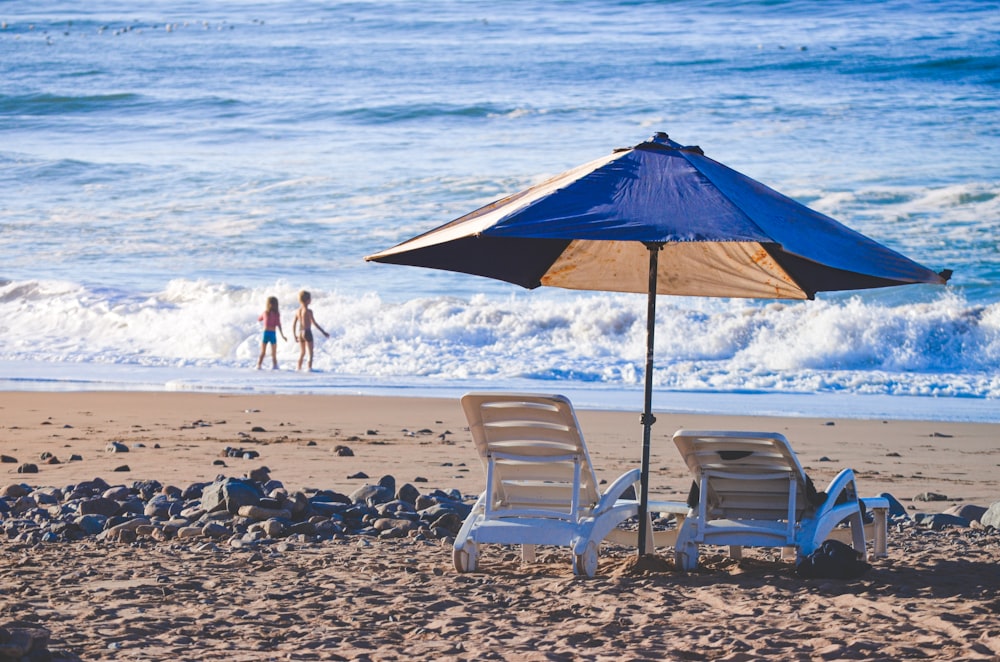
[647,413]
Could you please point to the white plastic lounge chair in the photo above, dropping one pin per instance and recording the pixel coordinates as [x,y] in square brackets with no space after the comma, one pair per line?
[752,492]
[540,485]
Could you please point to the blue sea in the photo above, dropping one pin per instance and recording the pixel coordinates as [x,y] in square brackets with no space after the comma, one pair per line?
[167,166]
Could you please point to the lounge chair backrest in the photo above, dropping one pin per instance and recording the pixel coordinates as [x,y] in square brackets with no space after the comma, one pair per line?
[745,475]
[534,455]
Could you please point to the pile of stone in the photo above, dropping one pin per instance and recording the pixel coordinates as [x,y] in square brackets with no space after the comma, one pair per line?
[961,516]
[239,511]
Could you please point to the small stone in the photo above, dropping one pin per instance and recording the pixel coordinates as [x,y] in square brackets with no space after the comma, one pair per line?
[930,496]
[260,513]
[213,530]
[116,447]
[27,468]
[260,475]
[14,491]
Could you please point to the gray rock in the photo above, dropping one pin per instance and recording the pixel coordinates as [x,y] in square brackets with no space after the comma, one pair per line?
[388,482]
[302,528]
[230,494]
[458,508]
[896,509]
[15,490]
[215,530]
[448,521]
[274,528]
[99,506]
[372,494]
[28,643]
[408,493]
[23,505]
[147,489]
[118,493]
[158,509]
[46,496]
[938,521]
[992,516]
[116,447]
[968,511]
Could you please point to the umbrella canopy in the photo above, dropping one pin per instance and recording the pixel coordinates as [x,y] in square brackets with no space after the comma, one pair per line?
[722,234]
[659,218]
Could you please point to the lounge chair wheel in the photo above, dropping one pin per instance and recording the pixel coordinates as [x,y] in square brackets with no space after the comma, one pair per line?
[586,563]
[466,558]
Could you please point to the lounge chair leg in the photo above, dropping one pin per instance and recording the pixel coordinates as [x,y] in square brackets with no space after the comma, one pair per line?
[527,553]
[686,556]
[586,563]
[736,552]
[881,548]
[466,558]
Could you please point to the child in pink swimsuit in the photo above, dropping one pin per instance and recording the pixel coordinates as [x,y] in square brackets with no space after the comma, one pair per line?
[271,317]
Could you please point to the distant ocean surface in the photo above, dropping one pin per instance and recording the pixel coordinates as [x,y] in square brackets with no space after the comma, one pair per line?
[167,166]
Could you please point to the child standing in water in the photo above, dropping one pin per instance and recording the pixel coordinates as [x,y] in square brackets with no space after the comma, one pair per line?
[304,321]
[271,317]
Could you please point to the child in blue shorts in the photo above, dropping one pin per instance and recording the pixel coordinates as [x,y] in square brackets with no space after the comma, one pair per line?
[271,317]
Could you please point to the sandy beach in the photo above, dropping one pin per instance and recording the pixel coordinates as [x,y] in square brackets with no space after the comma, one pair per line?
[934,597]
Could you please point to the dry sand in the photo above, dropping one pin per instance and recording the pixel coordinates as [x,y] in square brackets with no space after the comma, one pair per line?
[935,597]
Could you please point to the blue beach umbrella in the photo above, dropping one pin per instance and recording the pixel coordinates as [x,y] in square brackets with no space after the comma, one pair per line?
[659,218]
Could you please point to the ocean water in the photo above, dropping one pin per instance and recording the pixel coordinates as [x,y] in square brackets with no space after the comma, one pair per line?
[167,166]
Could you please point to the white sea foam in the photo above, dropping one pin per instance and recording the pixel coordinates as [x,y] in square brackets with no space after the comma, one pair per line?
[943,346]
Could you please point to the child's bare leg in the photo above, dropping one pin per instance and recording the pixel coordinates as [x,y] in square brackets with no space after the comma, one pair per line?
[310,356]
[302,354]
[274,355]
[260,359]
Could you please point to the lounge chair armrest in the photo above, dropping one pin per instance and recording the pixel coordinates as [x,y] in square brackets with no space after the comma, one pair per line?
[842,482]
[617,488]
